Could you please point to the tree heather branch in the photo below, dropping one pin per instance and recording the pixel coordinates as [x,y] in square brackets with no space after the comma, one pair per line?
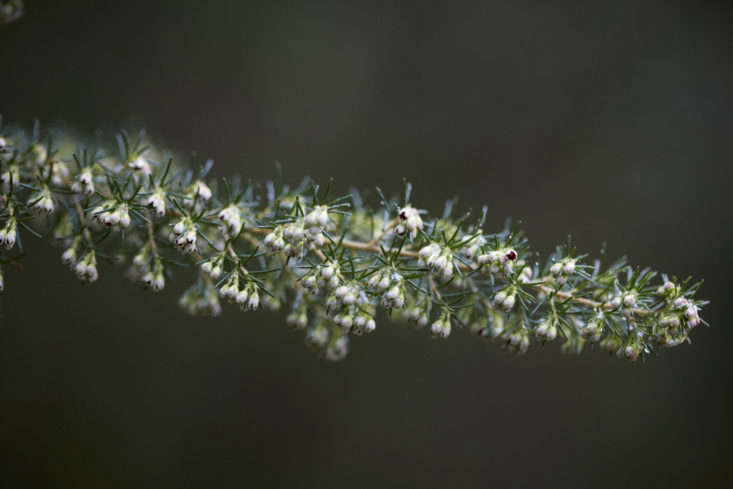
[335,261]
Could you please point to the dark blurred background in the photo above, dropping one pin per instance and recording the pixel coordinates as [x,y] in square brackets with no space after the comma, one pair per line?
[607,120]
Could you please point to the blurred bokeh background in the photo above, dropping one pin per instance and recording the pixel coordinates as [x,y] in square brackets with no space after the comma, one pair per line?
[607,120]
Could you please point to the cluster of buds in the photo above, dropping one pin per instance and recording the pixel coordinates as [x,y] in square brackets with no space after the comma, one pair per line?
[438,259]
[690,311]
[318,217]
[274,240]
[441,327]
[394,296]
[156,200]
[326,275]
[86,268]
[68,257]
[349,294]
[505,299]
[8,234]
[294,234]
[630,351]
[247,297]
[112,214]
[214,267]
[154,278]
[546,330]
[562,270]
[363,324]
[668,289]
[670,321]
[42,201]
[498,260]
[184,235]
[231,218]
[84,182]
[624,301]
[410,222]
[593,329]
[381,279]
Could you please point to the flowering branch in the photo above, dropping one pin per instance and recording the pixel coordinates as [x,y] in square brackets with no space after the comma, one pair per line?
[334,260]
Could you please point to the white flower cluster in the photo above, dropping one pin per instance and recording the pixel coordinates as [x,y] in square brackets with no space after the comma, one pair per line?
[394,296]
[8,234]
[410,222]
[505,299]
[156,200]
[546,330]
[42,201]
[112,214]
[438,259]
[214,267]
[274,240]
[86,268]
[231,218]
[84,182]
[691,312]
[325,275]
[153,277]
[441,327]
[593,329]
[630,351]
[363,324]
[317,217]
[561,270]
[498,260]
[247,297]
[294,238]
[381,279]
[184,235]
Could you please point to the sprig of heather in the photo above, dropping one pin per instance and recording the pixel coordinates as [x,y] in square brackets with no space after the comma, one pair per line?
[337,263]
